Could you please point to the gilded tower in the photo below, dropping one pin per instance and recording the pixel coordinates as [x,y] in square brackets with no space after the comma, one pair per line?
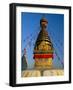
[43,50]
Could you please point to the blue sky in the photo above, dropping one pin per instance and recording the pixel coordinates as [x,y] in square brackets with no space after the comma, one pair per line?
[30,29]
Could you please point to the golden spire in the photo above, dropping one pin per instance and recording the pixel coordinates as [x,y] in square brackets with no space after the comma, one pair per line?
[43,35]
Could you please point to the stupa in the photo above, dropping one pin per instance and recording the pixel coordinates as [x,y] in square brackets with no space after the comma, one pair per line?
[43,49]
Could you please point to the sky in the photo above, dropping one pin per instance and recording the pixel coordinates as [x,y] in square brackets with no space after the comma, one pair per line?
[30,27]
